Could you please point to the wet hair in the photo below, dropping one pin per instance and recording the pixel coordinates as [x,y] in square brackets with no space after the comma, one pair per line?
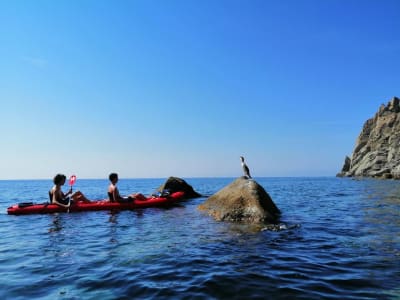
[59,178]
[113,176]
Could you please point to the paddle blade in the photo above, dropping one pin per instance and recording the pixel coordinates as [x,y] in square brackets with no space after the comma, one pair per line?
[72,180]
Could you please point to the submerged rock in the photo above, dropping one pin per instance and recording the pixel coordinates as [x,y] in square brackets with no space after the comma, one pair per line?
[175,184]
[244,200]
[377,149]
[280,227]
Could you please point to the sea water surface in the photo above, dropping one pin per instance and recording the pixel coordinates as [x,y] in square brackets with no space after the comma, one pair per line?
[340,239]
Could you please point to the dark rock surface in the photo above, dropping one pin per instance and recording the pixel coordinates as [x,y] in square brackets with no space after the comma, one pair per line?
[175,184]
[243,200]
[377,149]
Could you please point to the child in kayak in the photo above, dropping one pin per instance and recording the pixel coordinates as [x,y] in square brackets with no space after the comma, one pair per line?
[58,197]
[113,193]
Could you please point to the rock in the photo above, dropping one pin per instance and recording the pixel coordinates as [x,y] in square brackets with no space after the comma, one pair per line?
[243,200]
[346,167]
[377,149]
[396,172]
[175,184]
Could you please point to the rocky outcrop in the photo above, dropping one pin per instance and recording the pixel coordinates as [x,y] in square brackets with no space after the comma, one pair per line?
[175,184]
[377,150]
[346,165]
[244,200]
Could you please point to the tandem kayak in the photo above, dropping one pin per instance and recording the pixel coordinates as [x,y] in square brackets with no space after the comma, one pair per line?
[44,208]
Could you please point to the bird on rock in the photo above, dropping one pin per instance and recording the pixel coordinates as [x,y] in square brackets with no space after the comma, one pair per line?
[245,168]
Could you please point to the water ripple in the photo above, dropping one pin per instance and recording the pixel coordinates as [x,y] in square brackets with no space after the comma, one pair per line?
[338,239]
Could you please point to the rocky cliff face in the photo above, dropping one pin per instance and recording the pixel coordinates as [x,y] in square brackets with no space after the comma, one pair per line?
[377,150]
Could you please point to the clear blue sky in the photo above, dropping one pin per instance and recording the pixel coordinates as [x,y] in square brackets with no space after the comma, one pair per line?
[183,88]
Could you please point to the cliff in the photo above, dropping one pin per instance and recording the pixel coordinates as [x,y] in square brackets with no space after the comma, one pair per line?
[377,149]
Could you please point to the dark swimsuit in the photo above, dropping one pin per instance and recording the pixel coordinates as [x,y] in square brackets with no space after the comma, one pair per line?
[111,197]
[64,201]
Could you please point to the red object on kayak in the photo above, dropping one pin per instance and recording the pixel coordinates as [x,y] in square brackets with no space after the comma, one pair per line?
[72,180]
[43,208]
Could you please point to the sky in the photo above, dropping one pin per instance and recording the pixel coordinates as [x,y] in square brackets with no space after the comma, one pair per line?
[151,89]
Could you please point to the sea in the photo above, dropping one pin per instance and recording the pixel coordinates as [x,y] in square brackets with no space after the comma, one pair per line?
[338,238]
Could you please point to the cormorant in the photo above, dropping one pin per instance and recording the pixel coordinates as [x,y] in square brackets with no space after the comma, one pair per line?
[245,168]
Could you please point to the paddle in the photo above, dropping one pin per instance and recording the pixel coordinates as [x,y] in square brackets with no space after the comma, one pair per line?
[72,180]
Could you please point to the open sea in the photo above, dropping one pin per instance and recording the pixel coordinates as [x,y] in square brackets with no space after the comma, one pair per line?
[339,239]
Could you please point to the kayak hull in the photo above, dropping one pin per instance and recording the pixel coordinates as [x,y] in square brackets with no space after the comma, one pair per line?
[44,208]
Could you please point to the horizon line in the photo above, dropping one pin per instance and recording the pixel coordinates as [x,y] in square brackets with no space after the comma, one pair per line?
[194,177]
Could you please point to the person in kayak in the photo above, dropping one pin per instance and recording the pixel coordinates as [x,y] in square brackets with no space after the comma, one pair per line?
[113,192]
[58,197]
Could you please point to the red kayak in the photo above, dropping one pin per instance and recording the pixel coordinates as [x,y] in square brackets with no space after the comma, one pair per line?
[44,208]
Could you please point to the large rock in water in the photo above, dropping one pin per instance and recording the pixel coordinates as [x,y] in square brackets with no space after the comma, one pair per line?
[244,200]
[377,150]
[175,184]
